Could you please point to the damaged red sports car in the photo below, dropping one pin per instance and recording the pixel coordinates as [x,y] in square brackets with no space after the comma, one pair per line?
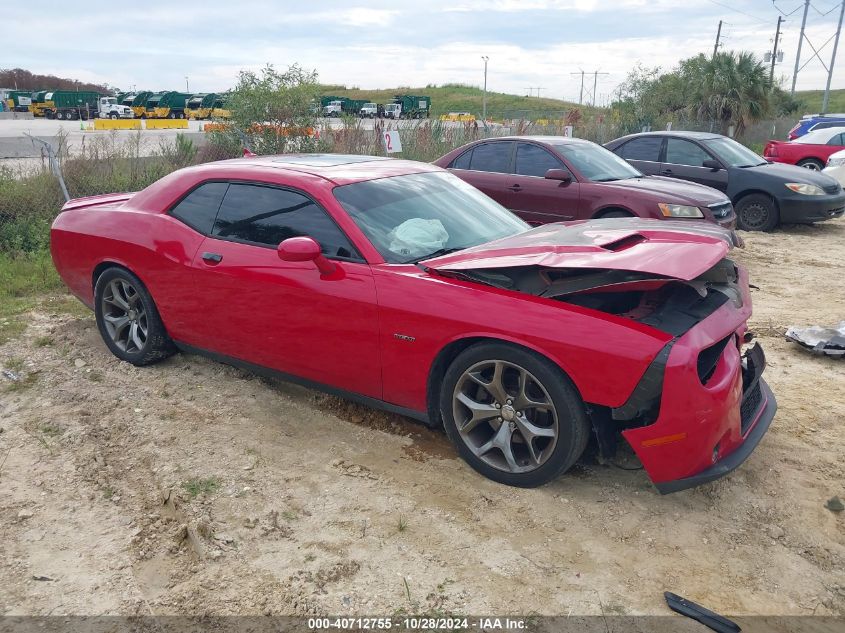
[396,284]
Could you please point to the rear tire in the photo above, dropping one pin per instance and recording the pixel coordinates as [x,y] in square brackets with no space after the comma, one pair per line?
[128,319]
[812,164]
[757,212]
[513,415]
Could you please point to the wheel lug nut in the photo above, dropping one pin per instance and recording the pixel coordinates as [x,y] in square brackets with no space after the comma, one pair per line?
[498,406]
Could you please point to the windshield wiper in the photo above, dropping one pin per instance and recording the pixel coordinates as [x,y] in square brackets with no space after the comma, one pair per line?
[438,253]
[606,179]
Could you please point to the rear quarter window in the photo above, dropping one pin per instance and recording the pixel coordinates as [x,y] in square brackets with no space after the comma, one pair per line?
[199,208]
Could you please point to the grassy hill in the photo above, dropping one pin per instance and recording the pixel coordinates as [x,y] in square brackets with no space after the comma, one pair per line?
[813,100]
[461,98]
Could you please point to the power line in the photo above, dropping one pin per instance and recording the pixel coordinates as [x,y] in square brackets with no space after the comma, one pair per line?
[735,10]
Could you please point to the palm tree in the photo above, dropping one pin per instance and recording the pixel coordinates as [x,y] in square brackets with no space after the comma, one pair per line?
[731,88]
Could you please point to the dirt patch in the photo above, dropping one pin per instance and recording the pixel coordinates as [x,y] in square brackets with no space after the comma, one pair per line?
[194,488]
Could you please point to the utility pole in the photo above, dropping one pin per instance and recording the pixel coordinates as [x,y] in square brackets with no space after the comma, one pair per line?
[718,36]
[186,84]
[581,96]
[833,59]
[775,52]
[800,41]
[595,84]
[484,98]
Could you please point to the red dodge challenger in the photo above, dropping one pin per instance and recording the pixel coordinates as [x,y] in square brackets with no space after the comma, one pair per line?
[396,284]
[811,150]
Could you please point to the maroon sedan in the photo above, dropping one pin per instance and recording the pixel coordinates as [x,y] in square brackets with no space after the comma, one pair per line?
[554,178]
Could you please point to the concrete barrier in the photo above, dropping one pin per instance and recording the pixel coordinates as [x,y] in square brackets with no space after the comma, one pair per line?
[117,124]
[166,124]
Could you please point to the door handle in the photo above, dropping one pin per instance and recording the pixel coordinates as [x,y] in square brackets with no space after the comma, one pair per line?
[666,172]
[212,258]
[515,188]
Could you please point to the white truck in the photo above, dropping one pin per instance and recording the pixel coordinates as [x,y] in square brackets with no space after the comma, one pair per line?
[109,108]
[334,108]
[392,110]
[369,111]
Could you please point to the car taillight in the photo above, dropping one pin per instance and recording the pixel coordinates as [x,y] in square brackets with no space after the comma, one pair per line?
[791,135]
[770,150]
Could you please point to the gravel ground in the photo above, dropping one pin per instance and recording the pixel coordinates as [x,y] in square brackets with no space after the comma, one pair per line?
[193,488]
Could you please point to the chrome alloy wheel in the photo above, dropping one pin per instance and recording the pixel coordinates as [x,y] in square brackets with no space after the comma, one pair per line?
[505,416]
[124,316]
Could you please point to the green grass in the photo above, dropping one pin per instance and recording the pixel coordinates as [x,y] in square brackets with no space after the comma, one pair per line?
[813,100]
[196,486]
[460,98]
[24,278]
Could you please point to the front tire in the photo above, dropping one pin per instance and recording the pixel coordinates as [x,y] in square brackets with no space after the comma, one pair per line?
[512,414]
[757,212]
[128,319]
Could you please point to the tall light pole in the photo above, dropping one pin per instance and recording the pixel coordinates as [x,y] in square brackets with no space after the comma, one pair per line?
[186,84]
[484,98]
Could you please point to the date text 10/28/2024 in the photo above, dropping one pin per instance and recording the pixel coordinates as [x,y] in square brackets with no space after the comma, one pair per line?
[418,624]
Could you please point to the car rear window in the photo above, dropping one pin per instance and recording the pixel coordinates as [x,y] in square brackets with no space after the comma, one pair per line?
[265,215]
[494,157]
[645,148]
[199,208]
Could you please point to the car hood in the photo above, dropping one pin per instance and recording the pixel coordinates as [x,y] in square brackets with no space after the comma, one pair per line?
[790,173]
[670,190]
[676,249]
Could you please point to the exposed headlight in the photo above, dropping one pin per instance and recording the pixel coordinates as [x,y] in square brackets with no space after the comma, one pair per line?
[807,190]
[679,211]
[836,162]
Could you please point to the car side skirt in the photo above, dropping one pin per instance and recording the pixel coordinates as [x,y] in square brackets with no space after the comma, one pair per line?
[267,372]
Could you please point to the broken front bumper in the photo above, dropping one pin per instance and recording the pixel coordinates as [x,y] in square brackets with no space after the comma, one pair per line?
[704,431]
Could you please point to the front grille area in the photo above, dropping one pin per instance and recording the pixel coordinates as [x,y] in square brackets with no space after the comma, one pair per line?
[750,404]
[721,210]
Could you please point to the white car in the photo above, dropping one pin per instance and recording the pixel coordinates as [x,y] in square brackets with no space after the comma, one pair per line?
[836,167]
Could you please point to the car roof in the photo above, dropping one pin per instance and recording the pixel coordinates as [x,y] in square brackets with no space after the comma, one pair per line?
[550,140]
[341,169]
[701,136]
[822,135]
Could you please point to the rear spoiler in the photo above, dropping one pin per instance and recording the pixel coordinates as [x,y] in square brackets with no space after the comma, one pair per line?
[96,201]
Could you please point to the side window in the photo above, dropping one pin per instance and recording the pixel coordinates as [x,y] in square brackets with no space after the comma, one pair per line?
[462,161]
[532,160]
[199,208]
[681,152]
[643,148]
[837,139]
[268,215]
[495,157]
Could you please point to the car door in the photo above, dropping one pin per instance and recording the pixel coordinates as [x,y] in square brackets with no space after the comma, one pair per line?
[684,160]
[532,196]
[487,166]
[643,152]
[287,315]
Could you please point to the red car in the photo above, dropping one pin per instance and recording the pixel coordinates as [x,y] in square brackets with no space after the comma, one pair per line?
[553,178]
[398,285]
[811,150]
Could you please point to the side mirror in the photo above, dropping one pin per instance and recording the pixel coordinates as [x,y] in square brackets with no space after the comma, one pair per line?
[559,174]
[305,249]
[715,165]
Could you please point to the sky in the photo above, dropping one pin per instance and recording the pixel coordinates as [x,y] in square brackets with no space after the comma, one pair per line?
[373,44]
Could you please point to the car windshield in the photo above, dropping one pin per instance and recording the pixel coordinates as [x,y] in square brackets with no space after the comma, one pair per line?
[597,163]
[734,154]
[411,218]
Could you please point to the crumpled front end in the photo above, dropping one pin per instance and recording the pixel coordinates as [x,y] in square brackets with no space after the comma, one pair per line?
[713,406]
